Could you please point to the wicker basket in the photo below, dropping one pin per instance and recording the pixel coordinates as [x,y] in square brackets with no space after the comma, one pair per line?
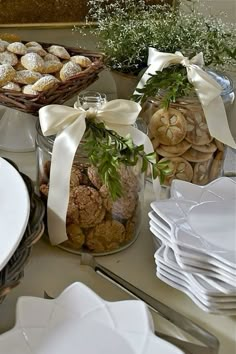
[12,273]
[62,91]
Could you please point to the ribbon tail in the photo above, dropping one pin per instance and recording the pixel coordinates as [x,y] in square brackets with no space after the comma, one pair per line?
[139,138]
[64,149]
[218,123]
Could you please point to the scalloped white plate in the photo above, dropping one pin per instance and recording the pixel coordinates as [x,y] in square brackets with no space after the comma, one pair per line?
[202,218]
[79,321]
[14,210]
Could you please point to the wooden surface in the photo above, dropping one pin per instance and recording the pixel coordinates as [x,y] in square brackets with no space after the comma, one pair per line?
[45,11]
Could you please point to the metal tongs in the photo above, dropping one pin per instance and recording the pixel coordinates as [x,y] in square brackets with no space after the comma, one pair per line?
[210,342]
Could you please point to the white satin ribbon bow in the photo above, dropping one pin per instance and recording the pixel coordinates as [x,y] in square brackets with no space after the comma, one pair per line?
[207,90]
[69,125]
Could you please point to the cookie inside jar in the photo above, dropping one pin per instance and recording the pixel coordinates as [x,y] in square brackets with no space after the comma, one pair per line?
[180,135]
[95,222]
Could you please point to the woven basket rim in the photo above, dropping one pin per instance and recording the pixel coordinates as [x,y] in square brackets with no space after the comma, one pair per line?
[62,91]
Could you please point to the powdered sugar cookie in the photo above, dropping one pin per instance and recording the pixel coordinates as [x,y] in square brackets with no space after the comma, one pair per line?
[51,66]
[17,48]
[3,45]
[69,70]
[45,83]
[81,60]
[59,51]
[33,44]
[168,126]
[51,57]
[28,90]
[33,62]
[12,86]
[7,73]
[26,77]
[8,58]
[38,50]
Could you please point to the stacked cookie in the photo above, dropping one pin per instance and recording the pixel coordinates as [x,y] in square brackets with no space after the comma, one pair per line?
[29,68]
[180,135]
[96,222]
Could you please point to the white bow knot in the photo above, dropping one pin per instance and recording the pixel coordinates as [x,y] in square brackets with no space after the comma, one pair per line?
[206,88]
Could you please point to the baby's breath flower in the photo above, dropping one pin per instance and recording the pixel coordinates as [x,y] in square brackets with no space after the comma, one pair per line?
[126,28]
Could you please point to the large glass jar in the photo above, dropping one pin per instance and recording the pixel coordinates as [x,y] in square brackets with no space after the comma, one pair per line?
[95,222]
[180,135]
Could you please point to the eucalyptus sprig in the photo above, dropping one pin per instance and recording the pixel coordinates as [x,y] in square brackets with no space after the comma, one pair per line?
[172,82]
[107,150]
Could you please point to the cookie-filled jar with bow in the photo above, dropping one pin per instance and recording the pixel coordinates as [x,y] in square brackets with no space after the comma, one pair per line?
[91,162]
[185,107]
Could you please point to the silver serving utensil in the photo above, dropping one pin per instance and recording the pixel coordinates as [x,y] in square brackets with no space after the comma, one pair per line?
[211,343]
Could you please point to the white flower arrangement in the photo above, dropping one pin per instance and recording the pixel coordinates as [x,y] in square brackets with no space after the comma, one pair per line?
[126,28]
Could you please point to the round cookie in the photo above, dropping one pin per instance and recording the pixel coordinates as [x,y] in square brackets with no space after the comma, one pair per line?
[168,126]
[193,155]
[7,73]
[179,148]
[94,177]
[89,206]
[76,237]
[207,148]
[201,172]
[165,153]
[197,129]
[217,165]
[180,169]
[106,236]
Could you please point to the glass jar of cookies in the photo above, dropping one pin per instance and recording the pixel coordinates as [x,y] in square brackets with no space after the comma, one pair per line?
[180,135]
[96,222]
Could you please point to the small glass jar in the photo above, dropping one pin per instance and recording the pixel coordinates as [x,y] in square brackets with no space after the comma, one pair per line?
[95,222]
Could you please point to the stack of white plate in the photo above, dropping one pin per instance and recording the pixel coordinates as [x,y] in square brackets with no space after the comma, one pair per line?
[196,229]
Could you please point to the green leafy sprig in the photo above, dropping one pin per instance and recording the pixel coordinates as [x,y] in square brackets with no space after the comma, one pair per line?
[107,150]
[172,83]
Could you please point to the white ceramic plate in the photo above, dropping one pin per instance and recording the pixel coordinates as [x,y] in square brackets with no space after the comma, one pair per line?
[79,321]
[189,259]
[208,272]
[206,287]
[14,210]
[205,222]
[164,276]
